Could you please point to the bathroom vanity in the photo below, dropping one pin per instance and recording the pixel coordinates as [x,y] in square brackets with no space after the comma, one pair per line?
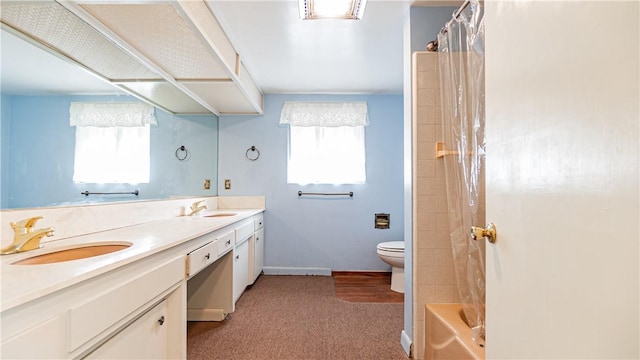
[133,302]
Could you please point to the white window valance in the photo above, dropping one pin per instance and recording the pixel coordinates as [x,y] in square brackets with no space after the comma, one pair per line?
[299,113]
[111,114]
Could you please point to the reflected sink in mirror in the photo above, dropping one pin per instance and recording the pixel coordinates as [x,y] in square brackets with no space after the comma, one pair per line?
[79,252]
[220,215]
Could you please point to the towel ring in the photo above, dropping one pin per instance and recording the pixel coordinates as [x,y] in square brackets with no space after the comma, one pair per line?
[252,149]
[180,150]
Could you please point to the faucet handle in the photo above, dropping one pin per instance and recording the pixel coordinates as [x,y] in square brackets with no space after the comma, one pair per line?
[26,223]
[196,204]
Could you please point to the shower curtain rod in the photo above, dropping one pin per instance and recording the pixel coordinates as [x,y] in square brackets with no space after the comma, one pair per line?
[433,45]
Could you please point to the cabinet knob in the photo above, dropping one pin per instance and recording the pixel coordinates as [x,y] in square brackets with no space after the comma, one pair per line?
[237,257]
[257,238]
[208,256]
[228,242]
[161,320]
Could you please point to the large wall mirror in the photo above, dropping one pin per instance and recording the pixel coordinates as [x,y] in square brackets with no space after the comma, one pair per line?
[37,148]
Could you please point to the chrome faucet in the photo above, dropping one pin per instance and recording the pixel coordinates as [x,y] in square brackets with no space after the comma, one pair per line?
[196,208]
[25,238]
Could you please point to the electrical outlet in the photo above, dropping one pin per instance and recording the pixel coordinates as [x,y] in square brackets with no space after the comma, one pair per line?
[207,184]
[227,184]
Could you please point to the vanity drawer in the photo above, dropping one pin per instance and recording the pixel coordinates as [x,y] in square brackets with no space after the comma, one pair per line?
[201,258]
[243,232]
[257,222]
[226,242]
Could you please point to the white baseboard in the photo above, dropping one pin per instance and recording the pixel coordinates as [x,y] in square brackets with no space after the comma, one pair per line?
[405,341]
[274,270]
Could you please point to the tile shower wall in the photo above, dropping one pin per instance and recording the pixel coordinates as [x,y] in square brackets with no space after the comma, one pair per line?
[433,272]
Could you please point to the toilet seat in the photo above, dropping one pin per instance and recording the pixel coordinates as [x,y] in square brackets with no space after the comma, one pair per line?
[392,246]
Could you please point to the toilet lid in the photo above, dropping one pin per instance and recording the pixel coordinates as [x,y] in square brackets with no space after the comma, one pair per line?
[392,246]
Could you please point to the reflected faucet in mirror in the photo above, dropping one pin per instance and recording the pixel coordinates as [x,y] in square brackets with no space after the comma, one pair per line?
[196,208]
[25,238]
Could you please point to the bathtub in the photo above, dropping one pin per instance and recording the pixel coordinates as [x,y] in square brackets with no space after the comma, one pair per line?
[447,335]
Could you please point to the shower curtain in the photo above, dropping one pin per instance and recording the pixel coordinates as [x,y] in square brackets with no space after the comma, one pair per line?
[461,61]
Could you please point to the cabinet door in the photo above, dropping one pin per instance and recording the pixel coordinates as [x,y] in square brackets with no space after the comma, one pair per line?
[240,269]
[49,339]
[145,338]
[258,254]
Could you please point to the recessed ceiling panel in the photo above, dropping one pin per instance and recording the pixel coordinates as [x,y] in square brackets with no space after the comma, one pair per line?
[163,36]
[52,24]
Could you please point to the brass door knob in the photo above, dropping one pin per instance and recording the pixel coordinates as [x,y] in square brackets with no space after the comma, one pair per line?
[490,233]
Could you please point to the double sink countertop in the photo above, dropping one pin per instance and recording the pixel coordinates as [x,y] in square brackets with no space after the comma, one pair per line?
[24,283]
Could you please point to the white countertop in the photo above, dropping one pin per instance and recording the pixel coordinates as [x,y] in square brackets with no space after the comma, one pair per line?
[23,283]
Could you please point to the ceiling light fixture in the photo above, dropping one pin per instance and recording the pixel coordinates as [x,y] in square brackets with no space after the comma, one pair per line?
[331,9]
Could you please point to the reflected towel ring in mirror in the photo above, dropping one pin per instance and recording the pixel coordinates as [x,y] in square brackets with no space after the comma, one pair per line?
[252,157]
[182,153]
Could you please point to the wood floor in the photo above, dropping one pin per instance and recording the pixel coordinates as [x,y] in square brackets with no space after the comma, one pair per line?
[373,287]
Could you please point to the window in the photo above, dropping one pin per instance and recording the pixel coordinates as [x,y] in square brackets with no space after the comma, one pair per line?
[113,142]
[326,142]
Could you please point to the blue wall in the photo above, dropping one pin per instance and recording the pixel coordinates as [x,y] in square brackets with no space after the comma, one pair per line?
[40,154]
[336,233]
[426,23]
[5,127]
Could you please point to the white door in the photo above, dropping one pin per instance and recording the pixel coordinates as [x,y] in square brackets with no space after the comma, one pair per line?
[145,338]
[258,255]
[562,127]
[240,269]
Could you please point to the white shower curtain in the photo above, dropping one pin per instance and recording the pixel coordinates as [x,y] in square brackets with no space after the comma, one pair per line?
[461,59]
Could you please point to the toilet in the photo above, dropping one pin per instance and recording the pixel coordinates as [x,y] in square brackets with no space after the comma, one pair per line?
[392,252]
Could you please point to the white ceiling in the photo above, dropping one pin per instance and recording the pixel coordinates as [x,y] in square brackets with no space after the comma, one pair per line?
[283,53]
[288,55]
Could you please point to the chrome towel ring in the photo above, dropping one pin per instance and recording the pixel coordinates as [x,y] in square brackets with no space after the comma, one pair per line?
[252,156]
[182,153]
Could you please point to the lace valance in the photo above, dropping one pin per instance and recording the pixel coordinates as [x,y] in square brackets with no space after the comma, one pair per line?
[298,113]
[111,114]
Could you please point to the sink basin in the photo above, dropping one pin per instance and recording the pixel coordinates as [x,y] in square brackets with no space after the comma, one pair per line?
[220,214]
[76,253]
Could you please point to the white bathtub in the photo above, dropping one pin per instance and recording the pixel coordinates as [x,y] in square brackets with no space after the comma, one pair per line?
[447,335]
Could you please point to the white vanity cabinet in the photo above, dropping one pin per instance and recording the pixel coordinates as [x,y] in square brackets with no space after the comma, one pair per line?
[131,306]
[213,291]
[92,314]
[249,254]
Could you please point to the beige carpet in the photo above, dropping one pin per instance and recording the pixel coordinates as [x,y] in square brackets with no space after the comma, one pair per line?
[299,317]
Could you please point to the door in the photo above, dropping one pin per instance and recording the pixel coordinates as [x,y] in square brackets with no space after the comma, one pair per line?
[562,114]
[258,255]
[240,269]
[145,338]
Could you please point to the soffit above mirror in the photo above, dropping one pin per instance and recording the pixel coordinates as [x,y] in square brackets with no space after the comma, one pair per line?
[155,51]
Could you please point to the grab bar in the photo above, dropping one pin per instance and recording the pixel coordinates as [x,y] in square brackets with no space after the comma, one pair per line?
[350,194]
[87,193]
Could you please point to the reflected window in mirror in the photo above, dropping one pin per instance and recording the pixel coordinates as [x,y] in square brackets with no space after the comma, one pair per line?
[112,142]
